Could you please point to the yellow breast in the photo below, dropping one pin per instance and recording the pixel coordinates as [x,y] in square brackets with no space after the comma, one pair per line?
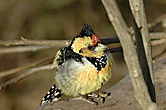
[82,79]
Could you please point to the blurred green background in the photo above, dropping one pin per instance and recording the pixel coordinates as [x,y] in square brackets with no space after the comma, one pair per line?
[57,20]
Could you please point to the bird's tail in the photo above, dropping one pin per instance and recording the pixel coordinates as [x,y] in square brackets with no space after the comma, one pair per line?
[54,94]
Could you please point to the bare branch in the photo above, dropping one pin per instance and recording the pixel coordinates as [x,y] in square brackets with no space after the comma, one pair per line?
[159,56]
[143,62]
[158,22]
[130,54]
[21,49]
[158,42]
[158,35]
[21,76]
[137,8]
[57,43]
[14,70]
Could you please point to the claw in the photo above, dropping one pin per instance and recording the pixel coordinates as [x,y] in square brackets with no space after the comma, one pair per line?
[90,96]
[100,96]
[87,99]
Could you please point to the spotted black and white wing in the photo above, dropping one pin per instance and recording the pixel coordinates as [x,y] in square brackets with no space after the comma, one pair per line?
[53,94]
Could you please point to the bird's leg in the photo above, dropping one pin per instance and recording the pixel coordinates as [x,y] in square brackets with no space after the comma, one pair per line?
[87,99]
[90,96]
[101,95]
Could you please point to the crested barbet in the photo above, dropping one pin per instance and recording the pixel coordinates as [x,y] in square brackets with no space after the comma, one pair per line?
[81,68]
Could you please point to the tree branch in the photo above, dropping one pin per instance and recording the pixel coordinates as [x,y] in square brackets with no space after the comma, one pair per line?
[158,35]
[130,54]
[158,42]
[14,70]
[143,61]
[137,8]
[21,76]
[158,22]
[21,49]
[57,43]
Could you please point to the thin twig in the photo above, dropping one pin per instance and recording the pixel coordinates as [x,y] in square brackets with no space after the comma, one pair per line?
[14,70]
[21,76]
[21,49]
[110,40]
[158,22]
[114,50]
[57,43]
[163,53]
[158,35]
[158,42]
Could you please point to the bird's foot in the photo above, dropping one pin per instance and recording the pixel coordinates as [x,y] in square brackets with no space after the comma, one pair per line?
[87,99]
[102,96]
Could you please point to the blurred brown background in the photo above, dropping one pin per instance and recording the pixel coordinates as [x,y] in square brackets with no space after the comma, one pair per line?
[58,20]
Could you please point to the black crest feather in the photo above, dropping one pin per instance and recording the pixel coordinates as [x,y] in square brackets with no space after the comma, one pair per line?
[86,31]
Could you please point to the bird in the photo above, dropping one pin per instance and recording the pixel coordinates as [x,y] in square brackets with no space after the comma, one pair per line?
[82,68]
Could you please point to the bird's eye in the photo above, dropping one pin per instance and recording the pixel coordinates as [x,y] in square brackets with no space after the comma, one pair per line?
[91,47]
[80,51]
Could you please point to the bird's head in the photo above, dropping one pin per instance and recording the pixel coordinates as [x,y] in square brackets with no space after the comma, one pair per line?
[87,43]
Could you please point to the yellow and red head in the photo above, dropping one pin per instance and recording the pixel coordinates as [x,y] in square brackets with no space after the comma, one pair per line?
[87,43]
